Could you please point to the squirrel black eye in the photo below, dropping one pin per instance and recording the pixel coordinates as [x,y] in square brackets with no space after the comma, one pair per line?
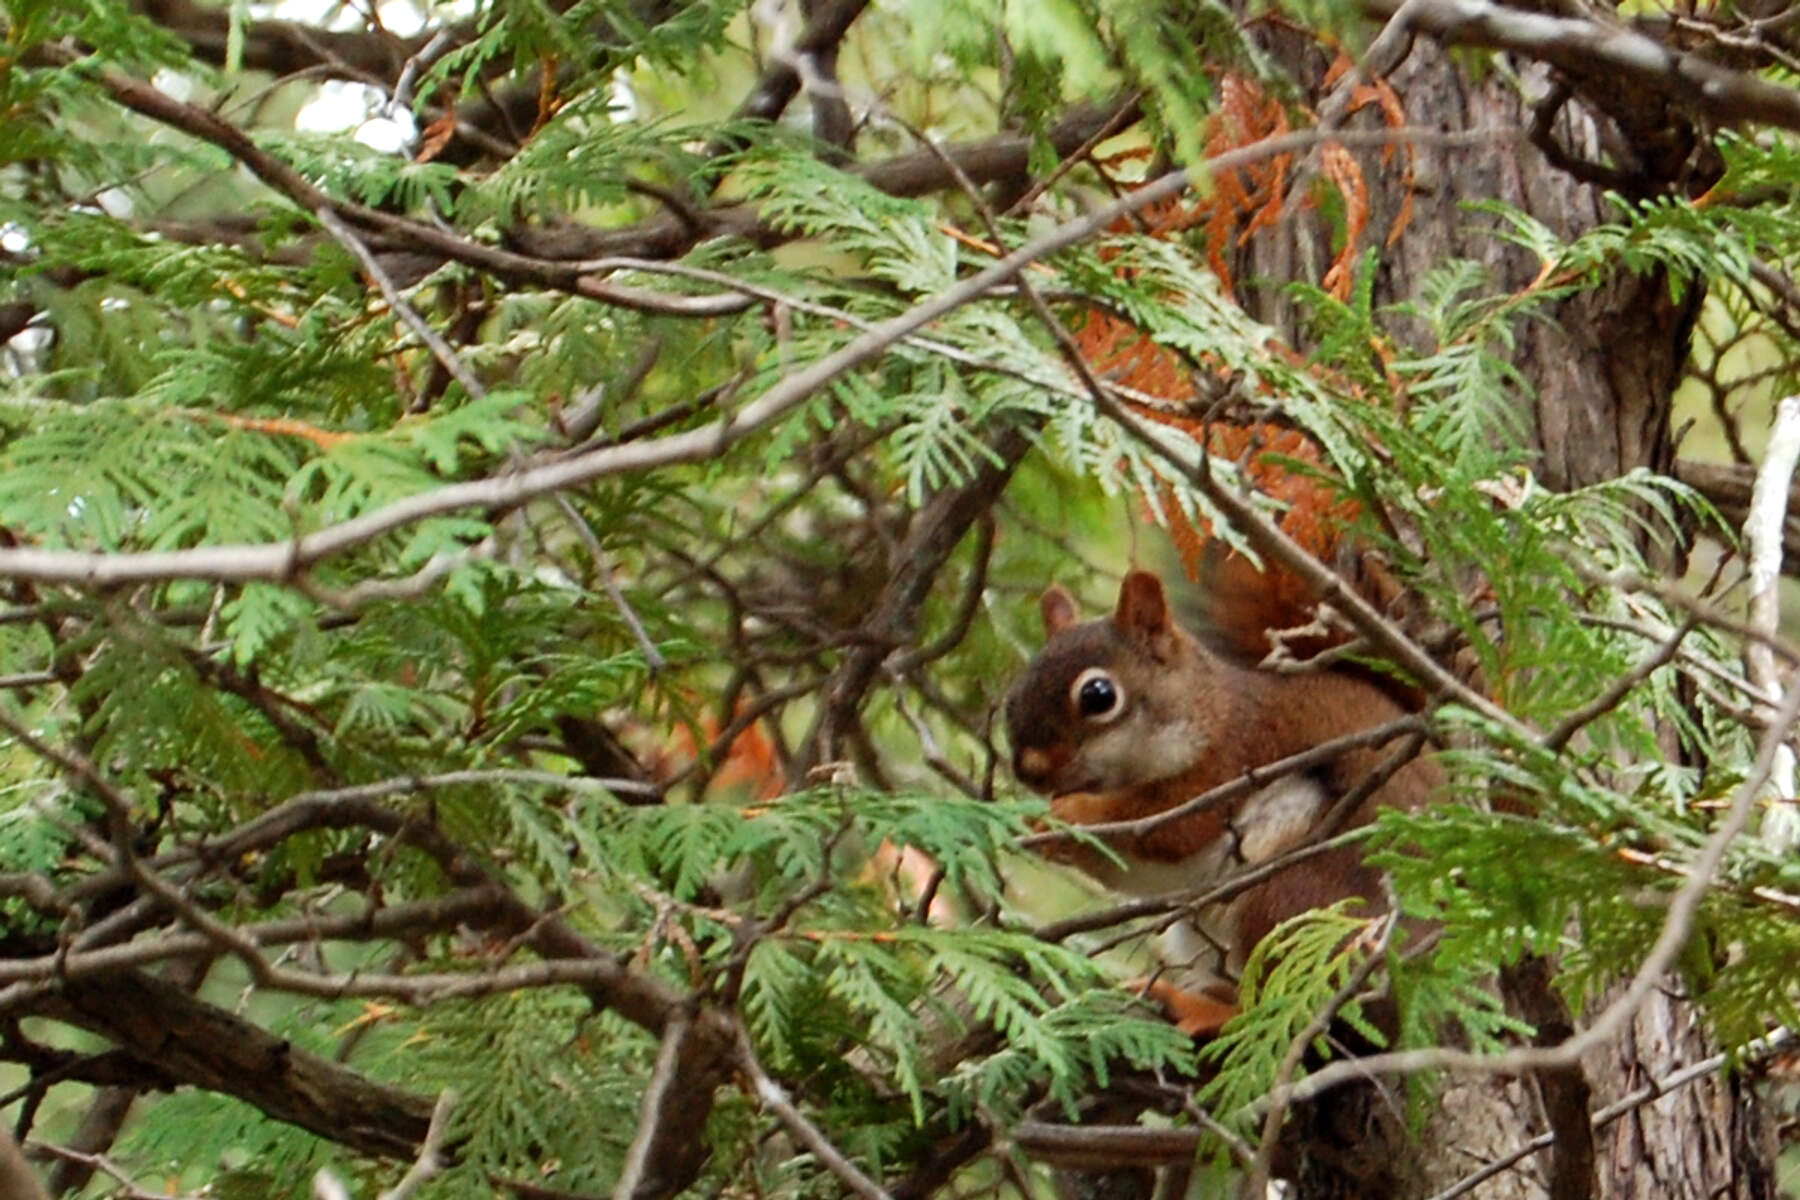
[1097,695]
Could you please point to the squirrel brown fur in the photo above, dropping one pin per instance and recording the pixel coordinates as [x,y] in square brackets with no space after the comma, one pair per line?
[1129,716]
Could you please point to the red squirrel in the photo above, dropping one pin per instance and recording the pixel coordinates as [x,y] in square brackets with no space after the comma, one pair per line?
[1128,716]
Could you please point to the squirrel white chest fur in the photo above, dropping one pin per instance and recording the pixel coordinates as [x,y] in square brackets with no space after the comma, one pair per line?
[1201,950]
[1268,821]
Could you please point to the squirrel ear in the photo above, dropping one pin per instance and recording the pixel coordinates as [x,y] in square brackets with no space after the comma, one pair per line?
[1058,608]
[1143,610]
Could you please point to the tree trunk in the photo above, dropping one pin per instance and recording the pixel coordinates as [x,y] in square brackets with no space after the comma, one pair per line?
[1604,373]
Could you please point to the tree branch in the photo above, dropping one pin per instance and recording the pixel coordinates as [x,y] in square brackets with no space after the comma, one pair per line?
[892,623]
[781,82]
[672,235]
[772,1097]
[204,1046]
[1588,49]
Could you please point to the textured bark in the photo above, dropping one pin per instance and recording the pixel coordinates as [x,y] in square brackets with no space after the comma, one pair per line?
[1709,1139]
[203,1046]
[1604,373]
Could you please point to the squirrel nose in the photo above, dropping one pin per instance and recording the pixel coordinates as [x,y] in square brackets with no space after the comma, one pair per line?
[1032,766]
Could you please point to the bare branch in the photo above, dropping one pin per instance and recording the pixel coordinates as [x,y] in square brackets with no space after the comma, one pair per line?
[1256,1182]
[91,1162]
[394,920]
[673,234]
[200,1044]
[781,82]
[1776,1042]
[1104,1147]
[1671,594]
[1615,692]
[1587,49]
[914,566]
[206,125]
[670,1144]
[430,1161]
[440,349]
[1257,777]
[774,1098]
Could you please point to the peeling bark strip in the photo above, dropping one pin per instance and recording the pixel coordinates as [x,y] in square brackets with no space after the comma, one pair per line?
[201,1045]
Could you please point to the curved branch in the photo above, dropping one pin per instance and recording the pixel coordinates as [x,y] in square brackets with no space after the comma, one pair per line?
[781,82]
[281,47]
[671,235]
[1590,50]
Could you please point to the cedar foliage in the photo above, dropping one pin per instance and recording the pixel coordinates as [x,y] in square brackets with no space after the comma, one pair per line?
[673,772]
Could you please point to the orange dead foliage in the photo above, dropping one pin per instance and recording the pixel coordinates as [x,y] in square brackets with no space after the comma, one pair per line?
[548,99]
[748,763]
[1381,94]
[983,246]
[1239,203]
[1249,198]
[436,136]
[1244,200]
[1120,352]
[1314,511]
[1345,173]
[324,439]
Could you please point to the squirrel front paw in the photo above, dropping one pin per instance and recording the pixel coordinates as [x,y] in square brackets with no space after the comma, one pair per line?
[1197,1014]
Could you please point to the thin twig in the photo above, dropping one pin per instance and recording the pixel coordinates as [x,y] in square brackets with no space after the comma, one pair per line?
[430,1161]
[15,1173]
[1251,780]
[105,1165]
[774,1098]
[407,587]
[653,657]
[440,349]
[1256,1182]
[1616,691]
[1273,542]
[1672,595]
[664,1078]
[398,920]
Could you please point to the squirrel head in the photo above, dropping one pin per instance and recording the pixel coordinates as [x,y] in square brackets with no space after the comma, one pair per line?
[1122,701]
